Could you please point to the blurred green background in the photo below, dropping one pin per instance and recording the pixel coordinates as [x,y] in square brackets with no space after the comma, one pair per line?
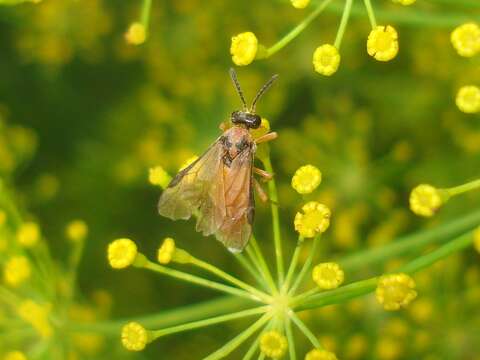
[102,112]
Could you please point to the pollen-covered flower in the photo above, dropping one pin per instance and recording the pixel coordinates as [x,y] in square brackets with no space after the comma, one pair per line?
[16,271]
[425,200]
[76,230]
[314,219]
[36,315]
[136,34]
[134,336]
[28,234]
[273,344]
[317,354]
[158,176]
[382,43]
[188,162]
[166,251]
[404,2]
[328,275]
[476,239]
[244,48]
[300,4]
[466,39]
[326,59]
[306,179]
[121,253]
[468,99]
[14,355]
[395,291]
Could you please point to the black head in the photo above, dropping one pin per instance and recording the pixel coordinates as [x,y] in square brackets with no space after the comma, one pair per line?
[248,117]
[251,121]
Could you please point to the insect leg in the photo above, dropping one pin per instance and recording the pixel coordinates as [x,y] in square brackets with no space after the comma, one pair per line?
[261,193]
[267,137]
[265,175]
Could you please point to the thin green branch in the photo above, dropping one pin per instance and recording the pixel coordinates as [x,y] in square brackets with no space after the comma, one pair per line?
[293,264]
[343,23]
[472,185]
[370,12]
[305,330]
[263,264]
[249,267]
[290,339]
[306,267]
[146,9]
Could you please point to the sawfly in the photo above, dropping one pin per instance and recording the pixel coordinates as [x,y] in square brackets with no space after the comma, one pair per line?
[218,187]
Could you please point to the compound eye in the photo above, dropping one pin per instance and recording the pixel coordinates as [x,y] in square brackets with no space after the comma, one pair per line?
[257,121]
[235,117]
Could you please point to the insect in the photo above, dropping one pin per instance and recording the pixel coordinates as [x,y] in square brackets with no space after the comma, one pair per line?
[218,186]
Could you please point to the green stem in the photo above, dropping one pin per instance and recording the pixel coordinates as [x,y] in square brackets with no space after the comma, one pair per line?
[472,185]
[263,264]
[290,339]
[146,8]
[211,321]
[225,350]
[371,14]
[306,331]
[343,23]
[254,347]
[256,273]
[293,264]
[297,29]
[306,267]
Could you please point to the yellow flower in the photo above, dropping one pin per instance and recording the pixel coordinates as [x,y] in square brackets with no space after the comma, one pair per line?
[382,43]
[121,253]
[158,176]
[136,34]
[273,344]
[317,354]
[425,200]
[134,336]
[263,129]
[166,251]
[468,99]
[395,291]
[328,275]
[28,234]
[476,239]
[326,59]
[314,219]
[14,355]
[244,48]
[76,230]
[466,39]
[300,4]
[404,2]
[306,179]
[188,162]
[16,270]
[37,316]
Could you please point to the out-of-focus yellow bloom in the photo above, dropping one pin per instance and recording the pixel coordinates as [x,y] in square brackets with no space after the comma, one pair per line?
[422,310]
[328,275]
[263,129]
[476,239]
[134,337]
[16,270]
[28,234]
[158,176]
[466,39]
[14,355]
[356,347]
[425,200]
[187,162]
[314,219]
[306,179]
[121,253]
[136,34]
[273,344]
[317,354]
[166,251]
[395,291]
[300,4]
[244,48]
[89,344]
[37,316]
[388,349]
[382,43]
[326,59]
[404,2]
[468,99]
[76,230]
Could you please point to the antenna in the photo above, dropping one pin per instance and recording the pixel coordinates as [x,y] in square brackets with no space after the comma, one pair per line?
[262,91]
[233,75]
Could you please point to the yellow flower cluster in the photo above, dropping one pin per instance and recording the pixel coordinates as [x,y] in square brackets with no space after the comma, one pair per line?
[468,99]
[28,234]
[317,354]
[134,336]
[300,4]
[166,251]
[328,275]
[244,48]
[404,2]
[466,39]
[382,43]
[16,271]
[76,230]
[395,291]
[425,200]
[36,315]
[306,179]
[14,355]
[122,253]
[314,219]
[273,344]
[136,34]
[158,176]
[326,59]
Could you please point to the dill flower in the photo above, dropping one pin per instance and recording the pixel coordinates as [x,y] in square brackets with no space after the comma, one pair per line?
[317,354]
[395,291]
[28,234]
[306,179]
[134,336]
[16,270]
[158,176]
[121,253]
[476,239]
[244,48]
[273,344]
[404,2]
[76,230]
[326,59]
[14,355]
[136,34]
[382,43]
[425,200]
[300,4]
[166,251]
[468,99]
[37,316]
[328,275]
[466,39]
[187,162]
[314,219]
